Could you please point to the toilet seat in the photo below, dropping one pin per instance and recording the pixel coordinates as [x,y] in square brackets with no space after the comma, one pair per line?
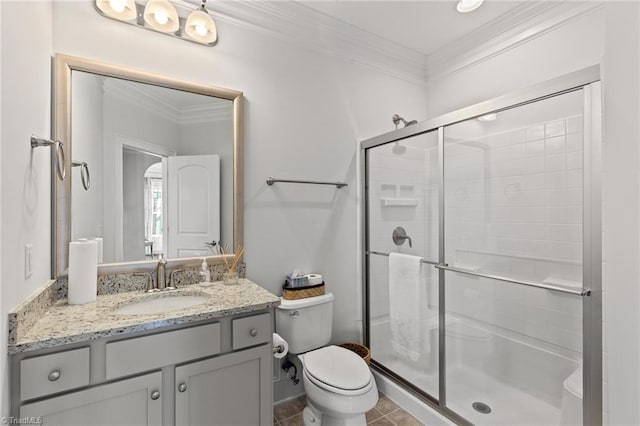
[337,370]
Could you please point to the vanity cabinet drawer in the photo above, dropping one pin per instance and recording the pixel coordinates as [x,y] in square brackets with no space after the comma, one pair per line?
[46,374]
[139,354]
[249,331]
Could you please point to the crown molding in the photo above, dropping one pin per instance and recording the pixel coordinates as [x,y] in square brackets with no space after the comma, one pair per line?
[296,23]
[200,114]
[520,25]
[135,95]
[158,105]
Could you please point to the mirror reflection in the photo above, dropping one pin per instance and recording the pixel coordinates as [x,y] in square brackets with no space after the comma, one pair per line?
[161,166]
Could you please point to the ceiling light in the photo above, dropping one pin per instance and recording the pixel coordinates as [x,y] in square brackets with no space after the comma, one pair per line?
[200,26]
[161,16]
[465,6]
[488,117]
[176,19]
[124,10]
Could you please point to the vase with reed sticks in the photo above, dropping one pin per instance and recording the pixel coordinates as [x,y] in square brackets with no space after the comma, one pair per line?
[230,276]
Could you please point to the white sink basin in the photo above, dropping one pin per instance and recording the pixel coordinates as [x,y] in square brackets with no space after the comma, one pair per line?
[160,304]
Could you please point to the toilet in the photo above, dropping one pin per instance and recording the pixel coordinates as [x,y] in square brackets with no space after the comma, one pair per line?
[339,385]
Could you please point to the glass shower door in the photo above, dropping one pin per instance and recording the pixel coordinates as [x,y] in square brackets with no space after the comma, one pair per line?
[403,192]
[513,199]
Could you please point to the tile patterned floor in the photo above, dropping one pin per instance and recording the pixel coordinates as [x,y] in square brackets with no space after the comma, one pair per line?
[385,413]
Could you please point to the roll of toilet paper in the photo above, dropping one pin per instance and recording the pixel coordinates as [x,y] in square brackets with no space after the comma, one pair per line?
[100,245]
[280,346]
[313,279]
[83,272]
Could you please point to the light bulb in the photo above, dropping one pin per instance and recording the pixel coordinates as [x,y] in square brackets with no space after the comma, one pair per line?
[124,10]
[117,5]
[201,29]
[161,17]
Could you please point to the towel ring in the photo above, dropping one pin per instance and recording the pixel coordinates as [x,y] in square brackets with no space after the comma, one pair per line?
[60,158]
[84,173]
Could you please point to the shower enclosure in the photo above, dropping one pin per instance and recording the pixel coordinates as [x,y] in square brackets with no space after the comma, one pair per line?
[501,202]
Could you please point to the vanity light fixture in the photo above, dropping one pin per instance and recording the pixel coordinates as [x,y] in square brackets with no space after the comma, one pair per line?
[466,6]
[176,19]
[200,26]
[124,10]
[161,16]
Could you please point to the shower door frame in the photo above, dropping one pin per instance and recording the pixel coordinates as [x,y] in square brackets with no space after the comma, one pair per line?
[588,80]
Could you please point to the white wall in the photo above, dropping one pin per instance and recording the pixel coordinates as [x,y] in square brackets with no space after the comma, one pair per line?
[568,48]
[123,119]
[26,107]
[621,214]
[216,136]
[86,128]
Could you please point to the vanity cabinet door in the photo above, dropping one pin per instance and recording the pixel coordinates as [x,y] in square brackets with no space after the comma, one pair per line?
[136,401]
[229,390]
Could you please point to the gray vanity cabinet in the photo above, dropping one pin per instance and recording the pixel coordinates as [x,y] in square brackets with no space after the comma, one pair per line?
[227,390]
[135,401]
[216,373]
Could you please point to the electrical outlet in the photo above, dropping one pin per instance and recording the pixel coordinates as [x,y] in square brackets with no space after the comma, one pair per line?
[28,260]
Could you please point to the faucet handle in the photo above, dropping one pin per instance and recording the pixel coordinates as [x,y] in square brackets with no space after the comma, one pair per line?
[150,286]
[172,279]
[400,235]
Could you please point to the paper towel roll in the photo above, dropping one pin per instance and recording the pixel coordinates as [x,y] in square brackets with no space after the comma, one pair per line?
[280,346]
[83,272]
[100,245]
[314,279]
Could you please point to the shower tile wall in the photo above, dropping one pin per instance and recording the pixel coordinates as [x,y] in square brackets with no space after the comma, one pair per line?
[514,207]
[406,172]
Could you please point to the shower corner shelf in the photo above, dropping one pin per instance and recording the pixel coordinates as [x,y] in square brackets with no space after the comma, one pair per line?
[399,202]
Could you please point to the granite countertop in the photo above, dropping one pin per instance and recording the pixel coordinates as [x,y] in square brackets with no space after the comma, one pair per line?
[63,323]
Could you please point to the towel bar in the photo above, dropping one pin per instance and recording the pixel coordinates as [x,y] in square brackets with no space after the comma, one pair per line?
[271,181]
[428,262]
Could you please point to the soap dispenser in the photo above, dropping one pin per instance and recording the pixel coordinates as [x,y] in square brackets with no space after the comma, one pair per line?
[205,275]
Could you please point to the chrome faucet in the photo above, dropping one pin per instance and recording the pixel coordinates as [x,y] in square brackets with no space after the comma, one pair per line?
[400,235]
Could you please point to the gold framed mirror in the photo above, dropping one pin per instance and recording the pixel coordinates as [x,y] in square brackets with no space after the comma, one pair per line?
[165,161]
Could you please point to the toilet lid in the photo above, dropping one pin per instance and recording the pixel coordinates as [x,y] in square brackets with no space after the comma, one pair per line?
[337,367]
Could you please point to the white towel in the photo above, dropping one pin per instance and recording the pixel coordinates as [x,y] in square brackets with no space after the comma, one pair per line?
[405,304]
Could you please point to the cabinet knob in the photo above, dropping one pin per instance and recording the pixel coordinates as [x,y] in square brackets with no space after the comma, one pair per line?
[182,387]
[253,332]
[155,395]
[54,375]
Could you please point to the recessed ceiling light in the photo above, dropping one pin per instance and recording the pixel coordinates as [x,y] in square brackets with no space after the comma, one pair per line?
[488,117]
[465,6]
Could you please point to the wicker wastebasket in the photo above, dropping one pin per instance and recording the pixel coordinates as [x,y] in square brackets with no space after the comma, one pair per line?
[361,350]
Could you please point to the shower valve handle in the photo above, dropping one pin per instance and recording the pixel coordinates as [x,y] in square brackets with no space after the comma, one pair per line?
[400,235]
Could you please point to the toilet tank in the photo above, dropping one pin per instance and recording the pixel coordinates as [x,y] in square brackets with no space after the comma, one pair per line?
[305,323]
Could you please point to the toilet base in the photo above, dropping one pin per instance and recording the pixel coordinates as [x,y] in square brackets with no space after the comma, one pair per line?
[311,416]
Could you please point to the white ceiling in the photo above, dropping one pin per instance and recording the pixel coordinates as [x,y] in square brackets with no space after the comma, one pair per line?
[424,26]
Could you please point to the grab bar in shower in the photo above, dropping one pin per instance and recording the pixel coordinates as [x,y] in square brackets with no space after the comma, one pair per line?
[271,181]
[428,262]
[552,287]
